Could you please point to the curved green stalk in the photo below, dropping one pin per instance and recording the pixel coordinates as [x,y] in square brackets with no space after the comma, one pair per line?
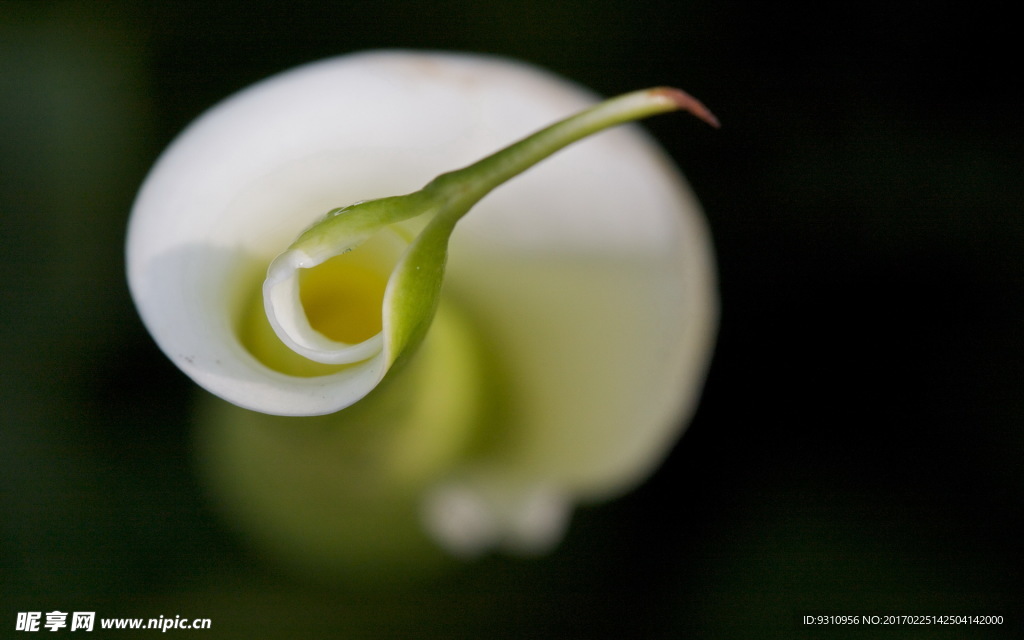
[414,283]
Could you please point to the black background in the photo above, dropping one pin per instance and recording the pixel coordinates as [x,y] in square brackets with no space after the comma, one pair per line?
[858,446]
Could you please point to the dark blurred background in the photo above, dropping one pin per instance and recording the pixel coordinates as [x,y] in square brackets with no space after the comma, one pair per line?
[858,448]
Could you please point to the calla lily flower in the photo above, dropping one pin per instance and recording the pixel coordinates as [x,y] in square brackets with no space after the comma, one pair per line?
[545,335]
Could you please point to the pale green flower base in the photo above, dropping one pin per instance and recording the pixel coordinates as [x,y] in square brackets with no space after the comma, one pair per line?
[339,496]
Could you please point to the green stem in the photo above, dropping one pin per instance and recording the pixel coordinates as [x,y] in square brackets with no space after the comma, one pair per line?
[414,285]
[459,190]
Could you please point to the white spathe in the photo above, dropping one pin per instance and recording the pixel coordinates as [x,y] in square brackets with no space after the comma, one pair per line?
[590,277]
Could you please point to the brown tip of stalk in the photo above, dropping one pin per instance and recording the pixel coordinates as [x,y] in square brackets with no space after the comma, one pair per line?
[685,102]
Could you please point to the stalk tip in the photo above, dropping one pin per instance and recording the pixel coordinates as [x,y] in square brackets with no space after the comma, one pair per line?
[685,102]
